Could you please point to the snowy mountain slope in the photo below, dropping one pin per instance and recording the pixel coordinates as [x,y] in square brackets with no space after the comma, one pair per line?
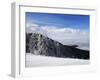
[38,60]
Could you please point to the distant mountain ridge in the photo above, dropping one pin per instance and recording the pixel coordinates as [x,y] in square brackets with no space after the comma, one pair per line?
[38,44]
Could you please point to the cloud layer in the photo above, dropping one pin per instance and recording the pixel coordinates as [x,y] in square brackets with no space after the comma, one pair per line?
[67,36]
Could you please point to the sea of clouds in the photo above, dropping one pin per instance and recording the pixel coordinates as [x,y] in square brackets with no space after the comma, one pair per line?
[65,35]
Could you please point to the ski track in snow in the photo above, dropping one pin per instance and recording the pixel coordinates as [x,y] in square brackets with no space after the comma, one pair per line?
[38,60]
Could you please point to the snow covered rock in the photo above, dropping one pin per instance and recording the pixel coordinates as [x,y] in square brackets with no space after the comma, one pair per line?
[38,44]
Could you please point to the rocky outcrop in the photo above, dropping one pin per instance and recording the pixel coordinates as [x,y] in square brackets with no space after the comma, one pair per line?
[39,44]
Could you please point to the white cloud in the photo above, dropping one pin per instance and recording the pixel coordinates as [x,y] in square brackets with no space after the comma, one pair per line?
[32,28]
[67,36]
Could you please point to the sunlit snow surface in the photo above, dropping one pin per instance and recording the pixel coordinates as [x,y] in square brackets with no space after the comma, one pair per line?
[38,60]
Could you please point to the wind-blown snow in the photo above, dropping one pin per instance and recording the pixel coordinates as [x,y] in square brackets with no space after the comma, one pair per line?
[38,60]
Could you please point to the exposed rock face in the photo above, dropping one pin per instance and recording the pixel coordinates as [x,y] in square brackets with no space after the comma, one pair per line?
[38,44]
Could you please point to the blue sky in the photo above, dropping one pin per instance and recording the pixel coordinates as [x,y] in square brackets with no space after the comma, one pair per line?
[59,20]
